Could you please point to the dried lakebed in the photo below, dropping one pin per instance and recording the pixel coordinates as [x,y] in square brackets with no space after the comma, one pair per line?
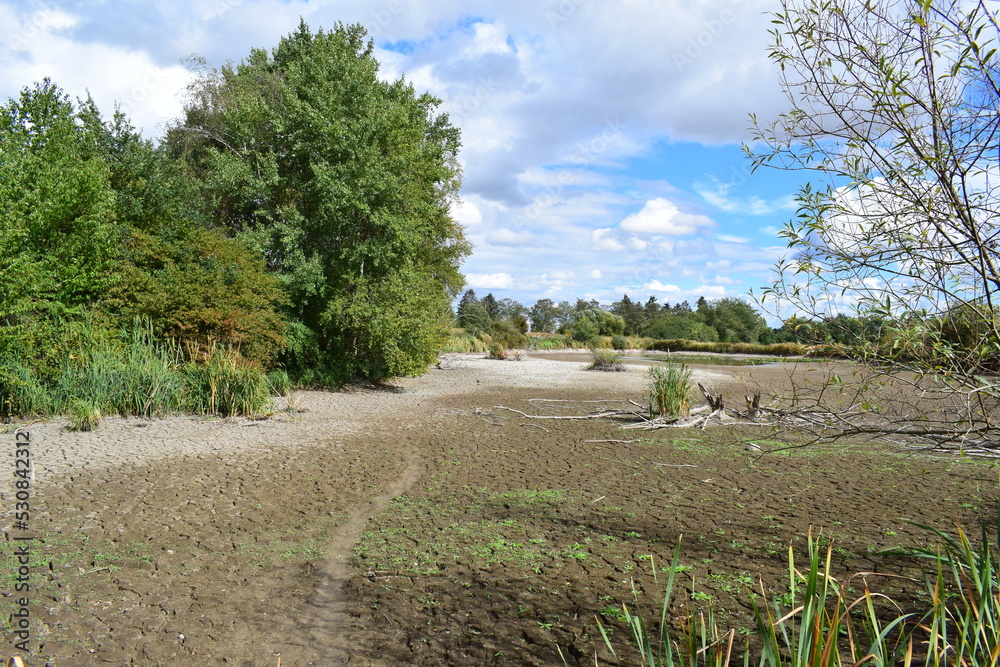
[418,524]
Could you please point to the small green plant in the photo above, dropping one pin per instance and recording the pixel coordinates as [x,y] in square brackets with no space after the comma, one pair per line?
[669,389]
[619,342]
[83,415]
[807,625]
[962,629]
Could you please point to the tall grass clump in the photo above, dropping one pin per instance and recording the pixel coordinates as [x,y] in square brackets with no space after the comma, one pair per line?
[460,340]
[22,392]
[669,390]
[226,384]
[128,375]
[279,382]
[83,415]
[817,624]
[963,625]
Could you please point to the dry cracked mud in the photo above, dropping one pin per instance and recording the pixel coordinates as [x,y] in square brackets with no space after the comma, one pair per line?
[421,524]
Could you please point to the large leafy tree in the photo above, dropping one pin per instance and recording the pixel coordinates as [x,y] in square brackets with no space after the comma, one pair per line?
[57,220]
[893,115]
[342,183]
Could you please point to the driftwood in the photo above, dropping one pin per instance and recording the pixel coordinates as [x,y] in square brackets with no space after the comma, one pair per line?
[714,402]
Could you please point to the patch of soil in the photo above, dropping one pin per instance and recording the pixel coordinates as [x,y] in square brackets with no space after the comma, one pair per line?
[446,531]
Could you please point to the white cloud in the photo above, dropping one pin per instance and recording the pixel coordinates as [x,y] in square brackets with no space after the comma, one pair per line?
[710,291]
[657,286]
[489,38]
[596,274]
[507,237]
[661,216]
[467,213]
[731,239]
[604,239]
[489,280]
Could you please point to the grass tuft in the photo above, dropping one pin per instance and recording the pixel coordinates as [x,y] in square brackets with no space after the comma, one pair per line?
[83,415]
[669,390]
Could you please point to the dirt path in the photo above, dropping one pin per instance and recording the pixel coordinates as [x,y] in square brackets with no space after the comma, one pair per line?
[328,621]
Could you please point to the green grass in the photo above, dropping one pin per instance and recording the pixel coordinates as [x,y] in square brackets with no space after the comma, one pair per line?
[820,621]
[669,390]
[133,374]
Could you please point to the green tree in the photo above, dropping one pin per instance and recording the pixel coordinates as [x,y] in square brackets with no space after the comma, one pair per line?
[681,325]
[491,306]
[735,320]
[604,323]
[543,316]
[57,217]
[633,313]
[342,183]
[58,230]
[893,115]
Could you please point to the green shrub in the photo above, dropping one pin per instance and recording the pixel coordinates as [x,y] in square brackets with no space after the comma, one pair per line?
[669,389]
[83,415]
[606,360]
[619,342]
[498,351]
[200,290]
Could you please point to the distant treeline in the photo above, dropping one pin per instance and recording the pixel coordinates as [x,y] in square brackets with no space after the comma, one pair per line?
[727,320]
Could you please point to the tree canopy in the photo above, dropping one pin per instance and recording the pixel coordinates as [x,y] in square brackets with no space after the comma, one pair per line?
[893,116]
[342,183]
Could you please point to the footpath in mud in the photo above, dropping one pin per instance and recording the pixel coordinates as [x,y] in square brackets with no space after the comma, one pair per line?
[421,524]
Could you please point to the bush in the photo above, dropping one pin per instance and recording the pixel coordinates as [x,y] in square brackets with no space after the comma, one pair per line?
[498,351]
[201,289]
[619,342]
[606,360]
[669,387]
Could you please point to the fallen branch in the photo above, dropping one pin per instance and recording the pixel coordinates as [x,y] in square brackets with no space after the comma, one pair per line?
[596,415]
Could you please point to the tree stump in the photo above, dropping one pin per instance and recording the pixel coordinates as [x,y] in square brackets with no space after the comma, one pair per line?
[714,402]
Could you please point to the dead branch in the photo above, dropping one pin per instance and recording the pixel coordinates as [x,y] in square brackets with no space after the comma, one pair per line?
[596,415]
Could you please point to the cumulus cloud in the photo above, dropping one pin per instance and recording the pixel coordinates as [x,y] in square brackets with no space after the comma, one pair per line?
[710,291]
[489,280]
[657,286]
[610,239]
[661,216]
[507,237]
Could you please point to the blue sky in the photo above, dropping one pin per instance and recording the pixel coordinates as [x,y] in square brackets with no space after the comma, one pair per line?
[601,138]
